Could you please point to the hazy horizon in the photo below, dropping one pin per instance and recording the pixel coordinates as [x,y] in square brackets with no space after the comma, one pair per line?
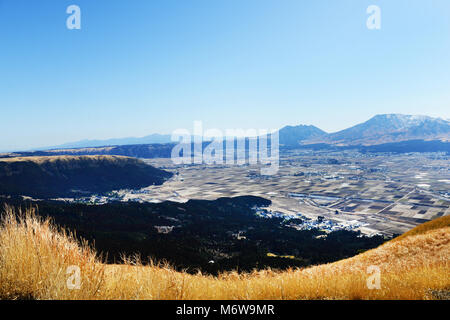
[135,69]
[42,147]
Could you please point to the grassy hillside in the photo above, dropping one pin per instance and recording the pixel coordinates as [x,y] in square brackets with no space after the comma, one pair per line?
[438,223]
[66,176]
[34,257]
[201,231]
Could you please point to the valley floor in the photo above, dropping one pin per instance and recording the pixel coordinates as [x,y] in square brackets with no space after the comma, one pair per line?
[383,194]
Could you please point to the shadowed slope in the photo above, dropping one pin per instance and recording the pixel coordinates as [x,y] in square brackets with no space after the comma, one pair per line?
[67,176]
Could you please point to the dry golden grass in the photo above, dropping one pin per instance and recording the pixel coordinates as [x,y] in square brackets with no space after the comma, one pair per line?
[34,256]
[427,226]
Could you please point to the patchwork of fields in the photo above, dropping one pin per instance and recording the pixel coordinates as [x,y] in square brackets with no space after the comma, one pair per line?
[387,194]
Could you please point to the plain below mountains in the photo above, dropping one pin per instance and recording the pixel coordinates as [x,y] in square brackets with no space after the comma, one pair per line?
[70,176]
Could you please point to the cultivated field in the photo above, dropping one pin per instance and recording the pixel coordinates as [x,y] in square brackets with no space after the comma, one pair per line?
[387,194]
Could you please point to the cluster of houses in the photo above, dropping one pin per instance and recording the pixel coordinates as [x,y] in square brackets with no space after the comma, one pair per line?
[301,222]
[164,229]
[328,225]
[121,195]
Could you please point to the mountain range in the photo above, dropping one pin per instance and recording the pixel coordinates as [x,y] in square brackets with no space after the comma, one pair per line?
[386,128]
[380,129]
[150,139]
[381,133]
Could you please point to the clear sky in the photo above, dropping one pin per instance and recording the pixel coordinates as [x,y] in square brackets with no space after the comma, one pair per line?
[142,67]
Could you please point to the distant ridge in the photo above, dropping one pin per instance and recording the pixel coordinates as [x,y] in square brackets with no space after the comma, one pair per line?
[294,135]
[70,176]
[381,133]
[150,139]
[389,128]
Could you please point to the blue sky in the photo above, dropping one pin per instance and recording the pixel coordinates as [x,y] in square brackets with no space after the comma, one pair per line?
[140,67]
